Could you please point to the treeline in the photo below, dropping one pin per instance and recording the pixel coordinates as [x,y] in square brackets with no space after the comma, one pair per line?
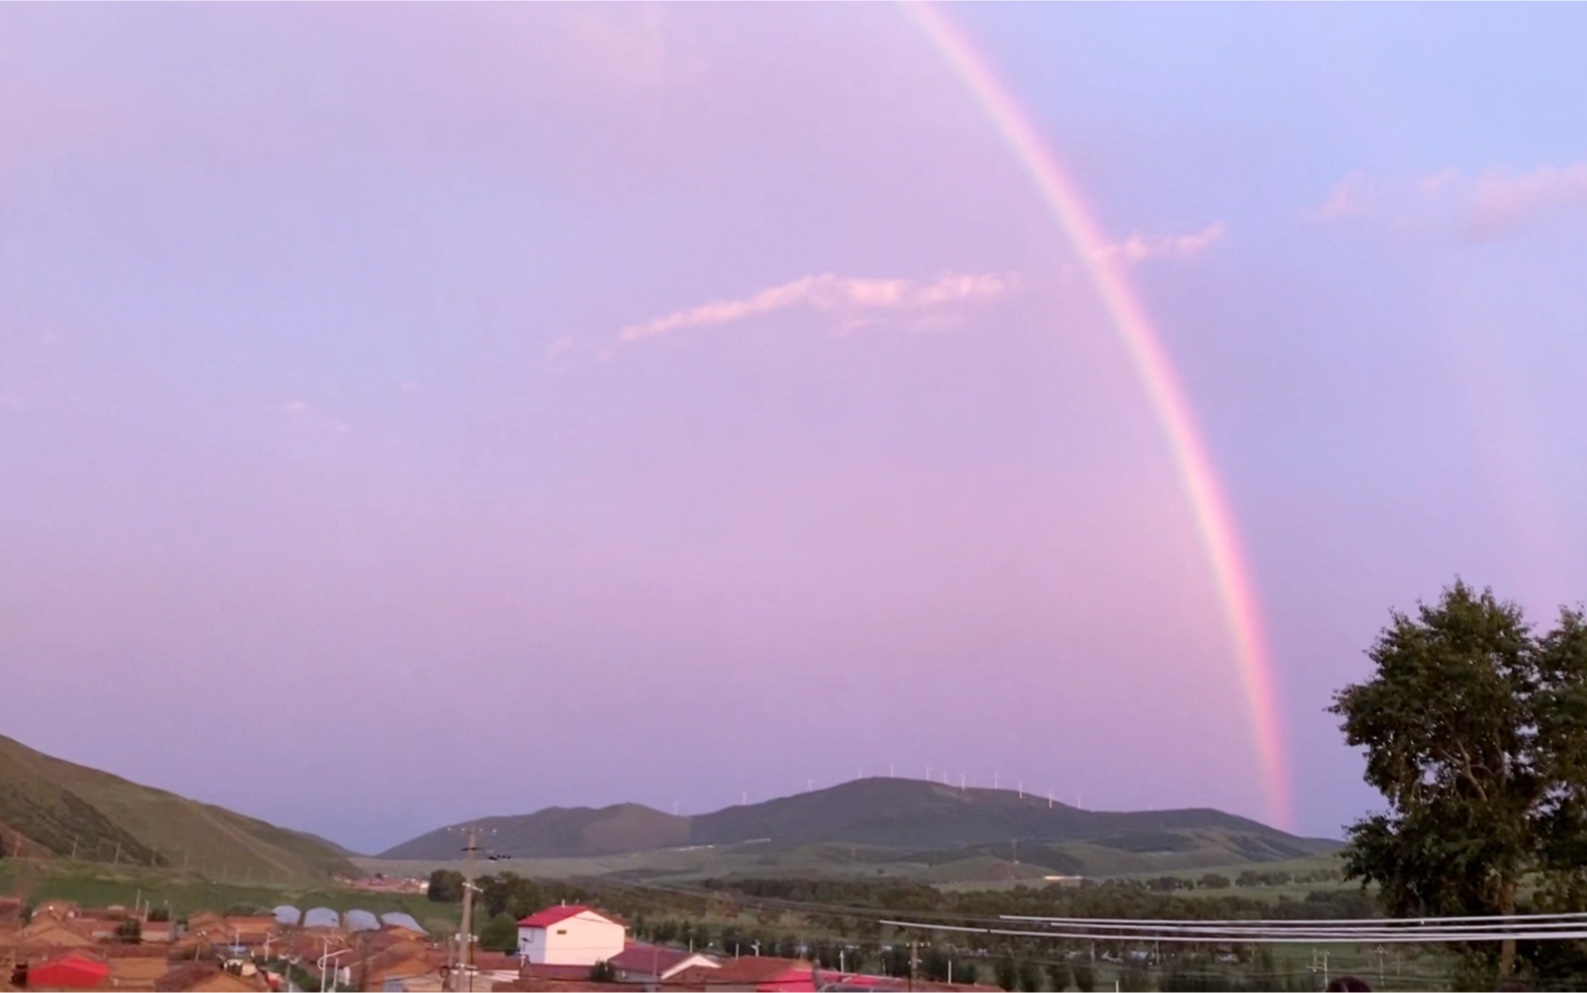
[836,923]
[1120,898]
[1248,879]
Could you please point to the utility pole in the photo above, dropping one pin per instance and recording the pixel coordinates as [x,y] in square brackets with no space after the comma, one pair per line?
[466,951]
[914,962]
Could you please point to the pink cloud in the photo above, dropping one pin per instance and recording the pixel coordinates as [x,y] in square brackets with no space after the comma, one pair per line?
[1351,198]
[1479,208]
[1141,247]
[1500,202]
[846,296]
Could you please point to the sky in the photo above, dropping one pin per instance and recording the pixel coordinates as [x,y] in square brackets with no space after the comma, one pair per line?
[415,413]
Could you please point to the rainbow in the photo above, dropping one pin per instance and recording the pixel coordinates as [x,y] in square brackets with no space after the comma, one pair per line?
[1154,366]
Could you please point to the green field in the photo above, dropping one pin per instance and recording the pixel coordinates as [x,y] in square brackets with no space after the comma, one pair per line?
[683,865]
[95,885]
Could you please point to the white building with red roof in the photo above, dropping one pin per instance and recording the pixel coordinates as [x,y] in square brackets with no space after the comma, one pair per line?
[570,935]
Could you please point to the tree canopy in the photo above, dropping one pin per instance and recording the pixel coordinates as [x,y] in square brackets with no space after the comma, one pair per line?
[1475,732]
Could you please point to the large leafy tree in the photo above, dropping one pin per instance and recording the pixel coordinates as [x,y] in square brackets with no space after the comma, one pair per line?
[1475,731]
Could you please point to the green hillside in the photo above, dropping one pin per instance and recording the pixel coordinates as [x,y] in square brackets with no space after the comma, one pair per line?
[888,826]
[558,831]
[68,809]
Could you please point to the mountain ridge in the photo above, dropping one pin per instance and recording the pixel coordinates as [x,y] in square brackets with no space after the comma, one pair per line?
[882,812]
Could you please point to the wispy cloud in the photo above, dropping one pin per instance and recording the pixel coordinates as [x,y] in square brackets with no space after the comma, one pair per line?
[1501,202]
[857,302]
[1141,247]
[1350,198]
[1474,208]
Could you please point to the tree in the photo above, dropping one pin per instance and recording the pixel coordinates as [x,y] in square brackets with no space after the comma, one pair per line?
[602,972]
[1007,974]
[446,886]
[1475,732]
[500,934]
[1058,974]
[1085,977]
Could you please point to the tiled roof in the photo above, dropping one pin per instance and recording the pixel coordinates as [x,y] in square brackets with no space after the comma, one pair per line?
[649,959]
[744,971]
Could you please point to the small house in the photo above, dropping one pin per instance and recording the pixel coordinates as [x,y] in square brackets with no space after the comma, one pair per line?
[570,935]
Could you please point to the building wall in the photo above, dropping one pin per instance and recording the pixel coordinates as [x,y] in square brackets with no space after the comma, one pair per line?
[581,940]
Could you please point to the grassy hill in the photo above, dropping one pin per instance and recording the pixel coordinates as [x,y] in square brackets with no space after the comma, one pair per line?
[559,831]
[882,826]
[61,808]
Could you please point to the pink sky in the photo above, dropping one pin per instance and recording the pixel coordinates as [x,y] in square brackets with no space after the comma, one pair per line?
[415,413]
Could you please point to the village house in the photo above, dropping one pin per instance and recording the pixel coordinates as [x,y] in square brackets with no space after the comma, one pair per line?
[641,963]
[56,908]
[249,931]
[208,977]
[555,973]
[10,913]
[399,969]
[570,935]
[50,931]
[157,932]
[98,925]
[761,973]
[137,972]
[72,971]
[207,923]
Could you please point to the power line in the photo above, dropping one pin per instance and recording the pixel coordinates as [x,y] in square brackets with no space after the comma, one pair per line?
[1256,936]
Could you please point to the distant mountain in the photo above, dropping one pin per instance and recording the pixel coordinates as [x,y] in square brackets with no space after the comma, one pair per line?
[558,831]
[55,807]
[908,815]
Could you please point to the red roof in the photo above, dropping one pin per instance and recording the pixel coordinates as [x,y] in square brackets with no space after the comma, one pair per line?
[649,959]
[555,915]
[755,973]
[69,973]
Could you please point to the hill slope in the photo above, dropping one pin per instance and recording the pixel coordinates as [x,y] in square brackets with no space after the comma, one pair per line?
[62,808]
[922,821]
[559,831]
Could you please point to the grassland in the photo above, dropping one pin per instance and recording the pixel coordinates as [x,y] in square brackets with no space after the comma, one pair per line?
[97,885]
[76,812]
